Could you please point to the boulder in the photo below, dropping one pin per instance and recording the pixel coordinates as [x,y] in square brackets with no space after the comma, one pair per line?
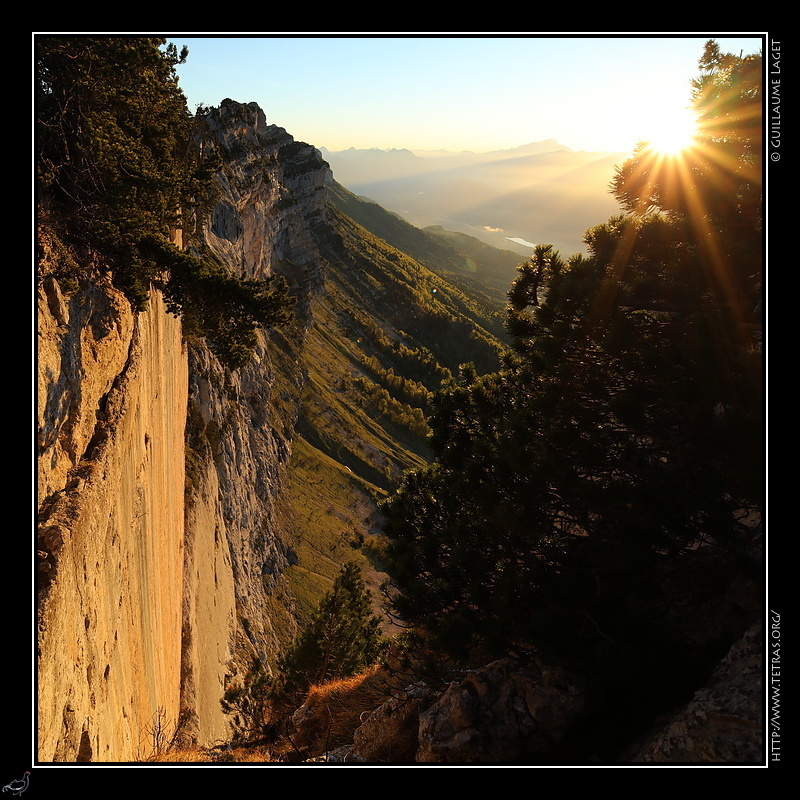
[503,713]
[723,723]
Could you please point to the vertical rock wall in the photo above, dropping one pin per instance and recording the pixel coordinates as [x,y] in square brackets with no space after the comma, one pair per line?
[241,424]
[112,398]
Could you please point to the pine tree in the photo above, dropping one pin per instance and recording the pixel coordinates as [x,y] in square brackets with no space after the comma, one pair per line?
[114,160]
[342,638]
[119,167]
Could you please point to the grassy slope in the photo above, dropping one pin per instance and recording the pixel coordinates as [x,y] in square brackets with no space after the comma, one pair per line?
[479,270]
[387,330]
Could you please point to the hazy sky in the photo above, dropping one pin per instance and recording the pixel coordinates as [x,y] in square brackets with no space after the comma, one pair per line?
[460,92]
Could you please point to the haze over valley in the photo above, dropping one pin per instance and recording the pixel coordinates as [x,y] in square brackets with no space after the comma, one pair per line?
[542,192]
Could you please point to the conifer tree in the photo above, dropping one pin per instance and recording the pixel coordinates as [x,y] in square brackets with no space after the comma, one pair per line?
[119,168]
[113,144]
[341,639]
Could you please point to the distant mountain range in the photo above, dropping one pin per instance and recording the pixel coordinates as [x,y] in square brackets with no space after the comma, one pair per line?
[541,192]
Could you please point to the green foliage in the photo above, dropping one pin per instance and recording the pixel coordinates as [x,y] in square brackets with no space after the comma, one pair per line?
[395,411]
[223,309]
[624,430]
[408,390]
[120,165]
[113,158]
[417,364]
[412,298]
[477,269]
[247,702]
[341,639]
[544,264]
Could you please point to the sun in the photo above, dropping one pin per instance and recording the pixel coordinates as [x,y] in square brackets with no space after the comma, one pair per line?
[674,133]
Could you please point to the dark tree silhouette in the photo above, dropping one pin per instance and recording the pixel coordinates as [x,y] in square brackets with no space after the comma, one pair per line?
[119,167]
[625,428]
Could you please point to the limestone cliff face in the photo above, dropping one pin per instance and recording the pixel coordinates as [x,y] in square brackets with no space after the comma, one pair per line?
[112,399]
[241,425]
[160,547]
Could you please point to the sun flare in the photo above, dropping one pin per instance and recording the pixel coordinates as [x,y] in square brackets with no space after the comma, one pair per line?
[674,133]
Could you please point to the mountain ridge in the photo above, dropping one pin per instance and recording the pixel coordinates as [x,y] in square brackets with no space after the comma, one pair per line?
[529,148]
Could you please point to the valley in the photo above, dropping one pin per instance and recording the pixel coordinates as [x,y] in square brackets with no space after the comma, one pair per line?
[287,458]
[539,193]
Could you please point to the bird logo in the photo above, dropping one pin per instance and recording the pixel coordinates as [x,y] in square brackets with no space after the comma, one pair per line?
[18,787]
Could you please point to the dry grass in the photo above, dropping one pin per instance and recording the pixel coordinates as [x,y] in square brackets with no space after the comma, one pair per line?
[181,757]
[332,711]
[233,755]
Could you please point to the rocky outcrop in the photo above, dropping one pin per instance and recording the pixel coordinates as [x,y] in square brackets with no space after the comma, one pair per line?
[502,713]
[506,712]
[158,583]
[272,197]
[241,424]
[723,723]
[513,714]
[390,734]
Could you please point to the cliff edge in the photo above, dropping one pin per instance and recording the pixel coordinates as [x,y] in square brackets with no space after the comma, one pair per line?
[158,584]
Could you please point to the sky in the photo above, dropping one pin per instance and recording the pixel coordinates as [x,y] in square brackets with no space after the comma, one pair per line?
[479,92]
